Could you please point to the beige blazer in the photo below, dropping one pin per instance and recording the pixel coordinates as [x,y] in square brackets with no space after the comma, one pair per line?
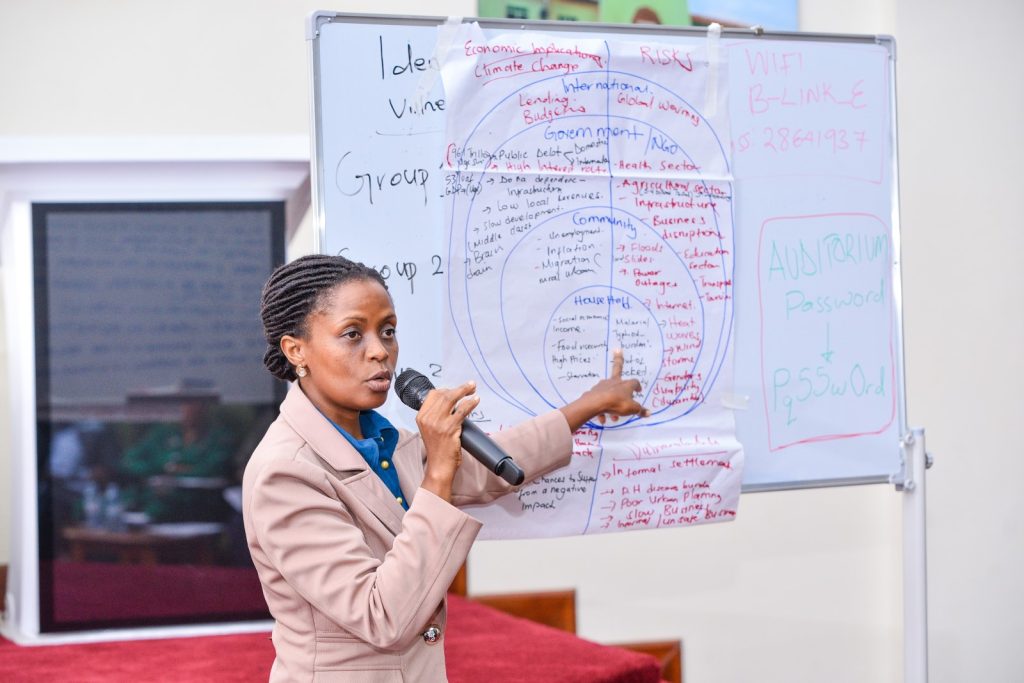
[353,580]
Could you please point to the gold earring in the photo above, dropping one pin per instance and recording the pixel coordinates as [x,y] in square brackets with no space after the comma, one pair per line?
[301,370]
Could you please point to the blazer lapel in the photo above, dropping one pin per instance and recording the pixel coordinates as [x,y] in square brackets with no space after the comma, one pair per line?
[408,459]
[337,453]
[372,493]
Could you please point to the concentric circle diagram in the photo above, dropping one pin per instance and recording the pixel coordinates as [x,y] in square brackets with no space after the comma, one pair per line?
[591,213]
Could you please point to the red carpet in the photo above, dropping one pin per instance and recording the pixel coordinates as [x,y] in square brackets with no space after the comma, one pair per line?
[220,658]
[485,645]
[482,645]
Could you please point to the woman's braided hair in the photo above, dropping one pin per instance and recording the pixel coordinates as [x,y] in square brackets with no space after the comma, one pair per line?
[297,289]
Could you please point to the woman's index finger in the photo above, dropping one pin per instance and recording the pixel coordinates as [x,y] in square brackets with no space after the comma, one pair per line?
[617,362]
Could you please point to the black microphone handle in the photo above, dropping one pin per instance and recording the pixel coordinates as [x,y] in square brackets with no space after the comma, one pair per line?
[412,388]
[484,449]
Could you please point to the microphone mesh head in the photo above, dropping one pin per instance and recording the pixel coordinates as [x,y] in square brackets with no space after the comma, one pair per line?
[412,387]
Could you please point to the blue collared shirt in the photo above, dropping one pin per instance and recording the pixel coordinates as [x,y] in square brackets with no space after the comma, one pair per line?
[377,448]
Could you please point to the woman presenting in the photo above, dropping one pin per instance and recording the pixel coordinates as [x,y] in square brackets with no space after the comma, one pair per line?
[352,523]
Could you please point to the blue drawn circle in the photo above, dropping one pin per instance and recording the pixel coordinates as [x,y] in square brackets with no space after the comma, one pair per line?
[599,291]
[502,299]
[725,328]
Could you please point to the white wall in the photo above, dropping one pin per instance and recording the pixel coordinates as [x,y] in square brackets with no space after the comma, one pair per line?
[961,105]
[805,586]
[6,518]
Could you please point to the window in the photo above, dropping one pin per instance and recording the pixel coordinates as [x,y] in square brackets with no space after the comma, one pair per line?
[151,394]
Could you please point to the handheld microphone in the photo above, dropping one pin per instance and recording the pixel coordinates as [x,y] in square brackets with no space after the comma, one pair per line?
[412,387]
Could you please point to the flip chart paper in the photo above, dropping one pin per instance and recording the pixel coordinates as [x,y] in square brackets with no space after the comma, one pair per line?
[590,207]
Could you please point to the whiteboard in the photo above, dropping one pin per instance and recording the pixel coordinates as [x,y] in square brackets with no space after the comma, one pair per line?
[817,390]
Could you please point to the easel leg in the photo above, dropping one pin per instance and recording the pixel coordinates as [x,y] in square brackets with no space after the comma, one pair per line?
[915,561]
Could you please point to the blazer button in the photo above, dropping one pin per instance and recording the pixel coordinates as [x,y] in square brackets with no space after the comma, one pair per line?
[432,635]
